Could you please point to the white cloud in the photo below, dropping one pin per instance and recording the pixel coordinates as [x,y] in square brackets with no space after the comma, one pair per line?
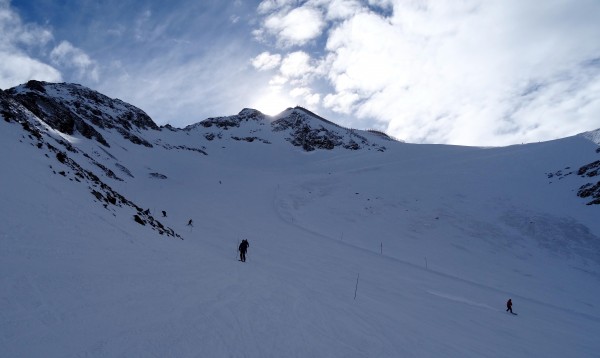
[470,72]
[342,102]
[266,61]
[278,80]
[267,6]
[343,9]
[306,95]
[18,68]
[141,23]
[16,39]
[312,99]
[296,27]
[299,92]
[15,33]
[464,80]
[362,57]
[296,65]
[65,54]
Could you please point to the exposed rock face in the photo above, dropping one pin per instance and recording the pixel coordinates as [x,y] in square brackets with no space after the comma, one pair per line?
[590,190]
[590,170]
[227,122]
[309,131]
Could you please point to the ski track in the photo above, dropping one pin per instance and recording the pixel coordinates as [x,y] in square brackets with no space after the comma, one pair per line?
[282,209]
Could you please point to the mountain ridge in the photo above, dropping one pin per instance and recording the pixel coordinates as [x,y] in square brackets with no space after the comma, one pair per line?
[75,102]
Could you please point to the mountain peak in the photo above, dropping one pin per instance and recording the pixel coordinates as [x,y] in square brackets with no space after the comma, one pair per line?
[301,111]
[250,112]
[70,108]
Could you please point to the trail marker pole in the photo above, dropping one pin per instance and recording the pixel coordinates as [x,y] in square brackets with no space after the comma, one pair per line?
[356,287]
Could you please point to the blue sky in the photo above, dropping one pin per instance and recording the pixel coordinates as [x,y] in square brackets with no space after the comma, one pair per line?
[469,72]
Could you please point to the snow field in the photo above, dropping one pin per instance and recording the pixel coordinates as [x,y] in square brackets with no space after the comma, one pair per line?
[78,280]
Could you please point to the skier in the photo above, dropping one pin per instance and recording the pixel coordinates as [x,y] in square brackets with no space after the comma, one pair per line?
[190,223]
[509,306]
[242,249]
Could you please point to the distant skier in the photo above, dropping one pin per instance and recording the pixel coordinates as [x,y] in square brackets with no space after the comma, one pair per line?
[509,306]
[164,214]
[243,248]
[190,223]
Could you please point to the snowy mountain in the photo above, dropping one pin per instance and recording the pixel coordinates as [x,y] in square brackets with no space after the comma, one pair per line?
[360,245]
[71,107]
[298,126]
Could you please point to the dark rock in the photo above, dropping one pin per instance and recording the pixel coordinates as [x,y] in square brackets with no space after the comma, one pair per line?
[139,220]
[61,157]
[590,170]
[590,191]
[158,176]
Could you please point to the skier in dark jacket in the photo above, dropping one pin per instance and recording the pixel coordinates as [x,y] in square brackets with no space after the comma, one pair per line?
[509,305]
[243,248]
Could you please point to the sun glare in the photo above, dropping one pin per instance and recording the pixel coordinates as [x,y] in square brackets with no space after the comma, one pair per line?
[272,103]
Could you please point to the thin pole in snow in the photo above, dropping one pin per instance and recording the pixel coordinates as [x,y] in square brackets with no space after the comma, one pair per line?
[356,288]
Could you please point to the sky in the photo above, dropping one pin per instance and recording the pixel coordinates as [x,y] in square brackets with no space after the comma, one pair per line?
[469,72]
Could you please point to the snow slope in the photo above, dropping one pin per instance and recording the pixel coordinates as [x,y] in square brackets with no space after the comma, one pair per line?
[407,252]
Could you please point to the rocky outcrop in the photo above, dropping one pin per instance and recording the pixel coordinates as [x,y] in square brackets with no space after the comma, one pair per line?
[590,190]
[309,131]
[70,108]
[227,122]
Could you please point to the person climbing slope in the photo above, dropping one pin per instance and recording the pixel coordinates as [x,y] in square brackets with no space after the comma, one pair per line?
[243,248]
[509,305]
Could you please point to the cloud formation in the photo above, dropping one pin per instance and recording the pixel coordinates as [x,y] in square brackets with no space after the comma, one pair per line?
[295,27]
[66,54]
[475,72]
[470,72]
[266,61]
[180,61]
[16,40]
[28,51]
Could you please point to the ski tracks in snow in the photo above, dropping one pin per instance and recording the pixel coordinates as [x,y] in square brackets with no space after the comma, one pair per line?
[461,300]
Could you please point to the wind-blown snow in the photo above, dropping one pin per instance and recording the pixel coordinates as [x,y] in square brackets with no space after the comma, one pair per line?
[432,240]
[594,136]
